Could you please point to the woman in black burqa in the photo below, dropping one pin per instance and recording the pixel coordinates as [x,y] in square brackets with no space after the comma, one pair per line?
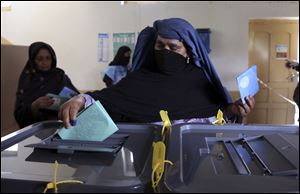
[39,77]
[171,71]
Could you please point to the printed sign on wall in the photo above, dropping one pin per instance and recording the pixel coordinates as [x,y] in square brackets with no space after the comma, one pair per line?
[281,51]
[121,39]
[103,47]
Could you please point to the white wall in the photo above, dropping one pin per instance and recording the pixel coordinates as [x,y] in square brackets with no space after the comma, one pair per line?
[72,28]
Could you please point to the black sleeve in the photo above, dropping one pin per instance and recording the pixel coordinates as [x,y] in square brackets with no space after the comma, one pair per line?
[23,113]
[112,111]
[107,80]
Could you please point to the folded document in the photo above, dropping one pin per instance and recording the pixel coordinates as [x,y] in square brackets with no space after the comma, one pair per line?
[247,83]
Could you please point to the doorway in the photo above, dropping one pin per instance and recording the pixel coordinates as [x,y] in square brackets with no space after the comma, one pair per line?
[271,42]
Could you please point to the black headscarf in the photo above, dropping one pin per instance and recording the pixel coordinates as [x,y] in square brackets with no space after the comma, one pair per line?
[34,84]
[195,92]
[119,58]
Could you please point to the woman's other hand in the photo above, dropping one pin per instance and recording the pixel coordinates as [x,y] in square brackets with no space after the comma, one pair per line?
[240,109]
[41,102]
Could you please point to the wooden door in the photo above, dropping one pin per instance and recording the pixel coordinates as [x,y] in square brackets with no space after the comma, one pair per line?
[270,43]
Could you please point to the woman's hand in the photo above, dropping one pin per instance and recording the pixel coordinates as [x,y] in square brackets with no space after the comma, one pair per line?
[240,109]
[41,102]
[69,110]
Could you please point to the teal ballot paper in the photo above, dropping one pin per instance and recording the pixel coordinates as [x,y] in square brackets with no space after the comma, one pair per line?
[93,124]
[58,101]
[248,83]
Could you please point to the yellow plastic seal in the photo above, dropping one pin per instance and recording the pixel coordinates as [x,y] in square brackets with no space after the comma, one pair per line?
[220,120]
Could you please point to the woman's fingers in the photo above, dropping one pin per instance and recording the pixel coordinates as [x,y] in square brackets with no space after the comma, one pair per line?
[250,102]
[73,113]
[43,102]
[65,116]
[246,108]
[69,110]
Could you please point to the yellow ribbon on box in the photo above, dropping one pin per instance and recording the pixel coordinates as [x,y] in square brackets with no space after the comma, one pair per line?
[220,120]
[53,184]
[159,152]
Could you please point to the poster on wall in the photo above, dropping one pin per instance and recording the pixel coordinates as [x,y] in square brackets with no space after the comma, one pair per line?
[103,47]
[121,39]
[281,51]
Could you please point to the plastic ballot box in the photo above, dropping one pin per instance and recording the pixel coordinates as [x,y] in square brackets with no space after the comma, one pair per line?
[232,158]
[120,163]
